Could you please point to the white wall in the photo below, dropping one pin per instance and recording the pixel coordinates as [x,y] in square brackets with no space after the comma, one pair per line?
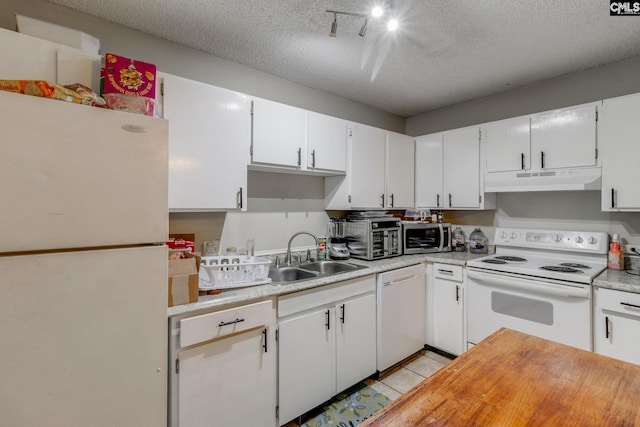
[278,206]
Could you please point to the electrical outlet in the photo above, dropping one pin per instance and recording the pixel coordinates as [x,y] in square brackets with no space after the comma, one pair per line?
[632,249]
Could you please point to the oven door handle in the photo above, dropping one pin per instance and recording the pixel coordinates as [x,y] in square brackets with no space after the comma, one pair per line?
[540,286]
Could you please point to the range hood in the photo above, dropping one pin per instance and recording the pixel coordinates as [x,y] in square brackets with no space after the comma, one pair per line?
[544,180]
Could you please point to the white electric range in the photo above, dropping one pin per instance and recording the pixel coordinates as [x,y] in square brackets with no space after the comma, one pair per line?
[538,282]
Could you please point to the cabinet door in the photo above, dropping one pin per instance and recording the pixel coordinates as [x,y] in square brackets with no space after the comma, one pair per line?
[564,138]
[306,354]
[507,145]
[618,336]
[229,382]
[279,134]
[355,340]
[367,167]
[428,167]
[326,143]
[461,163]
[447,316]
[620,148]
[208,145]
[400,171]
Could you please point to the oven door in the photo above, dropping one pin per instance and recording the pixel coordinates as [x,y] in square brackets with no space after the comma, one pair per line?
[554,310]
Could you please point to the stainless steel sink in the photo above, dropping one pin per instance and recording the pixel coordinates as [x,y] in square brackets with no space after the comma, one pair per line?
[310,270]
[290,274]
[329,267]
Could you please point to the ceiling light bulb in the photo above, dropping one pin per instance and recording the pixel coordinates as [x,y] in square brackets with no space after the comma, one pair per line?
[392,25]
[377,11]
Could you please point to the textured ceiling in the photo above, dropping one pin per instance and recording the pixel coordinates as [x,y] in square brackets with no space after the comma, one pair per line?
[445,52]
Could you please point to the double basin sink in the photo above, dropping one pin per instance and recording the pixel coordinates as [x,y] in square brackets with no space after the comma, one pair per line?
[311,270]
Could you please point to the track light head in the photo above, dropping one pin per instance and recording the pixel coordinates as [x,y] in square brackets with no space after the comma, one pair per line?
[334,26]
[363,30]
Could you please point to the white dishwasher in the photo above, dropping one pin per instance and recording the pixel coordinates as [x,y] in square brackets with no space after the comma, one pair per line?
[401,314]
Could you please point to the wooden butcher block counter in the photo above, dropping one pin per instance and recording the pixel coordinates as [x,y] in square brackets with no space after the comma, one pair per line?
[514,379]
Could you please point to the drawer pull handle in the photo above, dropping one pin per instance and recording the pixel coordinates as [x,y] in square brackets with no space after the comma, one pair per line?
[445,271]
[630,305]
[230,323]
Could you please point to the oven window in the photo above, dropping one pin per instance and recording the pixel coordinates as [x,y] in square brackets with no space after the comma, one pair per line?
[523,308]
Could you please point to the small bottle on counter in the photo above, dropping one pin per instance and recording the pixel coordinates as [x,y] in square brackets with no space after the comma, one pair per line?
[615,260]
[322,248]
[457,240]
[477,242]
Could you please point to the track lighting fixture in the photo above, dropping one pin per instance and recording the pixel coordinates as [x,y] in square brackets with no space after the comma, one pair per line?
[376,12]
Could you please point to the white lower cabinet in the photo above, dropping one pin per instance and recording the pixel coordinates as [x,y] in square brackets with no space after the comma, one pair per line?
[446,308]
[223,368]
[616,324]
[326,343]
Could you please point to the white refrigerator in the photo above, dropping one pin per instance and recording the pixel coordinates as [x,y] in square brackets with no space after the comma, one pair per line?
[83,272]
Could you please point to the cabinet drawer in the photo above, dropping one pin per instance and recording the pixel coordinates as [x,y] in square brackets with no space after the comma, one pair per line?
[447,272]
[208,326]
[618,301]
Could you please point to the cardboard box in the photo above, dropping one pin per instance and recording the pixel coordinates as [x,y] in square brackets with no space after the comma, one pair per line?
[183,279]
[58,34]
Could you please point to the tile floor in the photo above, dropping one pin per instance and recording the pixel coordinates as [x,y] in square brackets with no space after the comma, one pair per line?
[402,378]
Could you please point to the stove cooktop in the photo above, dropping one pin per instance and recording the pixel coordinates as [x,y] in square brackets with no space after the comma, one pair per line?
[560,255]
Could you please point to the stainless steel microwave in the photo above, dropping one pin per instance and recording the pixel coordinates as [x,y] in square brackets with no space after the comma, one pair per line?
[374,238]
[425,237]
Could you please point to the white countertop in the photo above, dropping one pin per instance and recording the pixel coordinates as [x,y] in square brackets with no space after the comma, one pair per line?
[619,280]
[244,295]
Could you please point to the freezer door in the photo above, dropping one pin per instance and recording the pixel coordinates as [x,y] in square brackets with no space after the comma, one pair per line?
[84,338]
[75,176]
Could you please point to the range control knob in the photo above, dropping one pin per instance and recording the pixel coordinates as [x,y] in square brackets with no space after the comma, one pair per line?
[514,235]
[592,240]
[503,235]
[579,239]
[557,238]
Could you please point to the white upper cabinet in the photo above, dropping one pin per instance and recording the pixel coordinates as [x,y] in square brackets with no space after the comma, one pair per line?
[380,172]
[428,174]
[326,143]
[400,171]
[367,169]
[507,145]
[620,147]
[448,172]
[208,145]
[564,138]
[293,140]
[461,162]
[279,134]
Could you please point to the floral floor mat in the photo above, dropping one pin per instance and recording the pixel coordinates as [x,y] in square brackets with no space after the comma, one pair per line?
[351,408]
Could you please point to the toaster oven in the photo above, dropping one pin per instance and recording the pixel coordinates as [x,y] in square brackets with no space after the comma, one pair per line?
[374,238]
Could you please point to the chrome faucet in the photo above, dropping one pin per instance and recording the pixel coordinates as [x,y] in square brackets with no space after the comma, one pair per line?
[287,258]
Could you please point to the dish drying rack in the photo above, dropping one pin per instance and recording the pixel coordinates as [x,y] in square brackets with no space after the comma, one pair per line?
[237,271]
